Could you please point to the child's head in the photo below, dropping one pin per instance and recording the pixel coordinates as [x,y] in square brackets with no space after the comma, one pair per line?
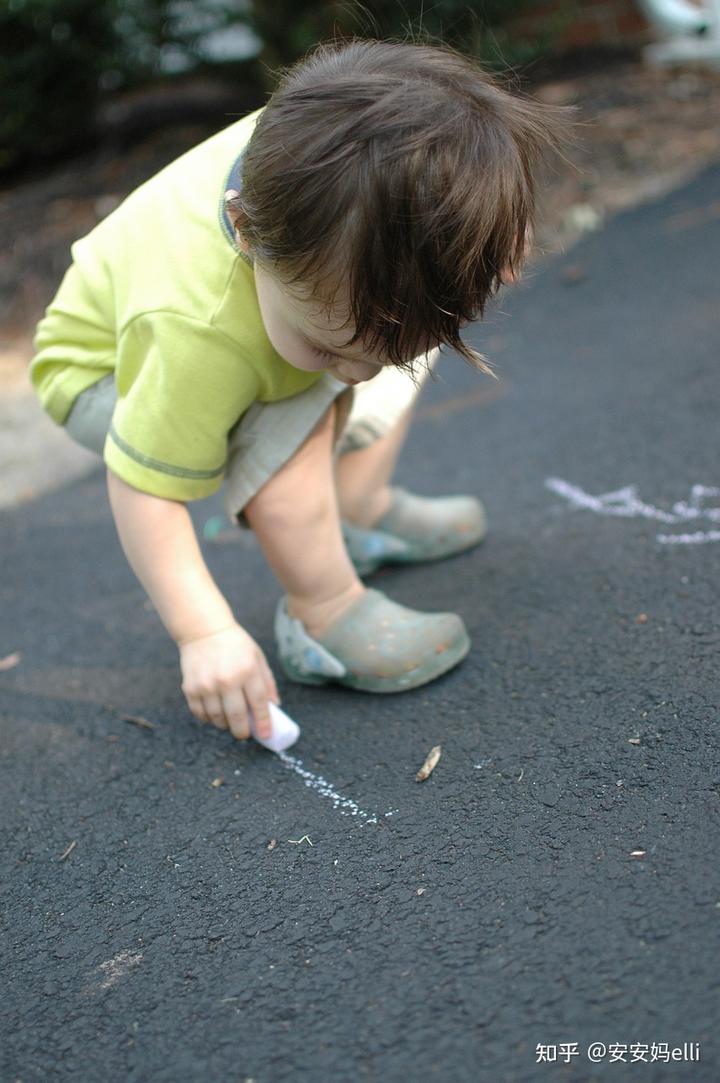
[387,192]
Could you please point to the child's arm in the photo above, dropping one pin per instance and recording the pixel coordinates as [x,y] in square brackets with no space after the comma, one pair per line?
[223,668]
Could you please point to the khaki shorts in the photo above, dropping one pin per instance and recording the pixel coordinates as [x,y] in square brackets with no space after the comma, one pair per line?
[269,434]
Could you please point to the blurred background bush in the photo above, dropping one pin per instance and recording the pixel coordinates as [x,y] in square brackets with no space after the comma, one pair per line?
[96,96]
[62,58]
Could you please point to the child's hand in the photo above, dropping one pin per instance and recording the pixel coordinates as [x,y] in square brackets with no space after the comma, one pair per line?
[224,673]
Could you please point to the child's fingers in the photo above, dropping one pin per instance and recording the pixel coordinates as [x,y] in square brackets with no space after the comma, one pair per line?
[195,704]
[214,711]
[257,695]
[235,711]
[272,688]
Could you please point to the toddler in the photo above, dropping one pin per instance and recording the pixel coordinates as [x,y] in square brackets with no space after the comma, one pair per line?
[262,313]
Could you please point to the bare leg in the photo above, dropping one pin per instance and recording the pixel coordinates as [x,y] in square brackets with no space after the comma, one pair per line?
[362,477]
[296,519]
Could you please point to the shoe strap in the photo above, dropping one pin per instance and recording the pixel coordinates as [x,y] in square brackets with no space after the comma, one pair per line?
[370,543]
[305,653]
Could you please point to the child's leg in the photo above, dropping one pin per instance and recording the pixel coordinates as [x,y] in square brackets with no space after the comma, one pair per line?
[362,476]
[411,528]
[296,519]
[384,404]
[357,636]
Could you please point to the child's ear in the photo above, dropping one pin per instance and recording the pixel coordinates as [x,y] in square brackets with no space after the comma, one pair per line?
[237,216]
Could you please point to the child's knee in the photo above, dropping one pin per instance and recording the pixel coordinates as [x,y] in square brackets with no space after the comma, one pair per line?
[287,509]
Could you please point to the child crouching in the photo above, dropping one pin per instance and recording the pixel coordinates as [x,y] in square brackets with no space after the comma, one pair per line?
[262,312]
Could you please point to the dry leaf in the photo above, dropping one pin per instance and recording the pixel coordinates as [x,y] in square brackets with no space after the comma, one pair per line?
[430,763]
[10,661]
[217,782]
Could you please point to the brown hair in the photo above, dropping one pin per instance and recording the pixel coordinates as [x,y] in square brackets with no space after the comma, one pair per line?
[402,171]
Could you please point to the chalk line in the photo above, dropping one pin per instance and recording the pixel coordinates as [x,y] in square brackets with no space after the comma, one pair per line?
[626,504]
[698,538]
[116,968]
[345,805]
[622,502]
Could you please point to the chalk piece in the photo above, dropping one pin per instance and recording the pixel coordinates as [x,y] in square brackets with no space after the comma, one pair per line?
[285,732]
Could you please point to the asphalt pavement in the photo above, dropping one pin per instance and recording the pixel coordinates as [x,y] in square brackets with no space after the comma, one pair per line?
[177,906]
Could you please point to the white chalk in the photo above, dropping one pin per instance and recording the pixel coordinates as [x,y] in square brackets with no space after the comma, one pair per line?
[285,732]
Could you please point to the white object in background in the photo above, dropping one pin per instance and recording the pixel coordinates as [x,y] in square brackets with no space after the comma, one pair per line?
[676,16]
[285,732]
[694,31]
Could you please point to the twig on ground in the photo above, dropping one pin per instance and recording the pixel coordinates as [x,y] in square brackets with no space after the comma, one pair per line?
[138,721]
[430,764]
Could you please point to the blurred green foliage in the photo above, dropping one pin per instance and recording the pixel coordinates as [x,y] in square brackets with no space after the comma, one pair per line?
[289,27]
[59,58]
[53,56]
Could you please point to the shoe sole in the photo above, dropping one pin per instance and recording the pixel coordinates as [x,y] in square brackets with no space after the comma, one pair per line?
[414,678]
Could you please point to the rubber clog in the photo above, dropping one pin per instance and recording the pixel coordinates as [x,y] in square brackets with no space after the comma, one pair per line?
[376,646]
[416,529]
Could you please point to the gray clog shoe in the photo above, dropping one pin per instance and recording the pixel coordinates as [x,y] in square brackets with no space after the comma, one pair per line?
[416,528]
[376,646]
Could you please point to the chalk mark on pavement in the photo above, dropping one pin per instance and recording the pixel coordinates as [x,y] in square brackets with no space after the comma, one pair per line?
[625,503]
[345,805]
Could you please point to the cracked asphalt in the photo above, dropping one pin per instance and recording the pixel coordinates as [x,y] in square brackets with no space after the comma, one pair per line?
[322,916]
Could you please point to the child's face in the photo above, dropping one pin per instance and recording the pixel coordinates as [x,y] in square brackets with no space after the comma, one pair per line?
[307,336]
